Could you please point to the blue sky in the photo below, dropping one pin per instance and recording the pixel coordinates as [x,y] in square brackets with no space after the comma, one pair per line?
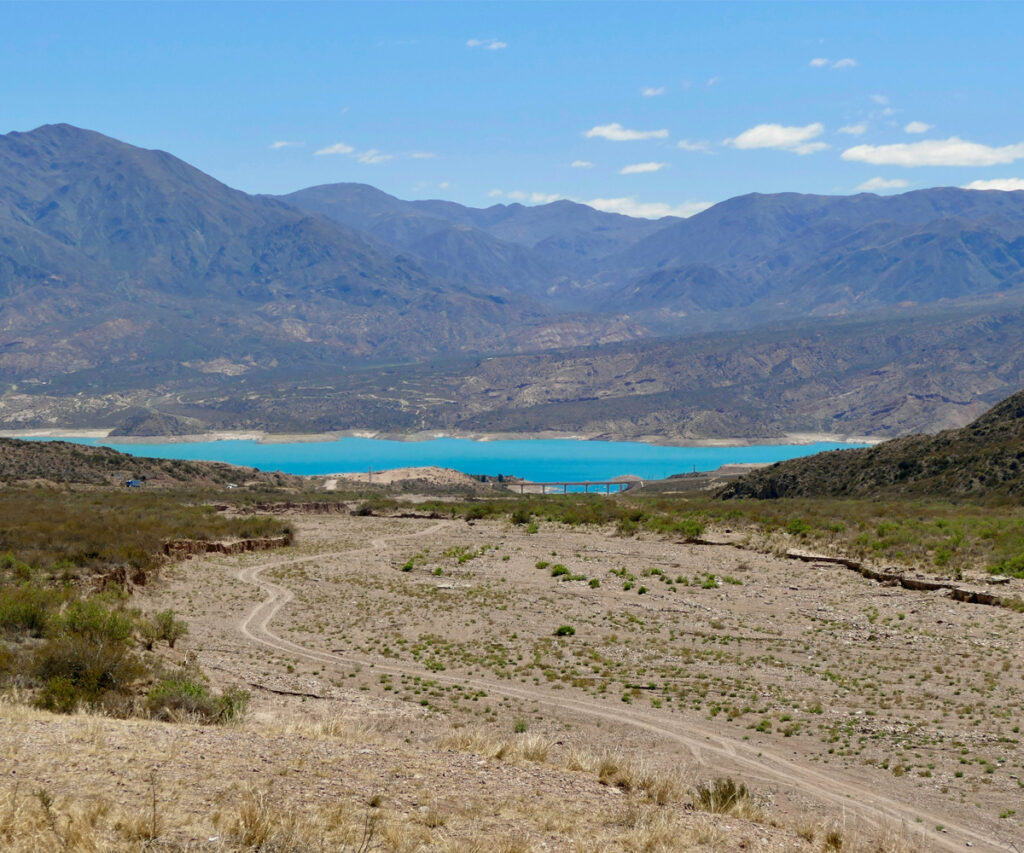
[645,108]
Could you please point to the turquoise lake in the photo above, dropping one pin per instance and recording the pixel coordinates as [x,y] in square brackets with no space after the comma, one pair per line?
[533,459]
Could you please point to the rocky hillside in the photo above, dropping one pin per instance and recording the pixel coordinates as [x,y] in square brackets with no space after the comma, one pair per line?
[983,459]
[64,462]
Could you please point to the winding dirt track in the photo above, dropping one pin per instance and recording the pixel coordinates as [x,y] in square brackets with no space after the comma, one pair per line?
[704,743]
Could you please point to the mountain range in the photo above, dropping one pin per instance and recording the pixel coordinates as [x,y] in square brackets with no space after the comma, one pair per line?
[135,289]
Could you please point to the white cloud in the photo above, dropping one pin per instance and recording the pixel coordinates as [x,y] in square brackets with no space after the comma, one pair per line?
[876,184]
[822,62]
[582,164]
[337,148]
[854,129]
[712,81]
[519,195]
[935,152]
[640,168]
[795,139]
[373,156]
[652,91]
[1005,184]
[688,145]
[617,133]
[274,146]
[647,210]
[487,44]
[881,100]
[917,127]
[423,155]
[444,185]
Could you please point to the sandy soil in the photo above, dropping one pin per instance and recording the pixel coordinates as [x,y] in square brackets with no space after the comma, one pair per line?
[827,692]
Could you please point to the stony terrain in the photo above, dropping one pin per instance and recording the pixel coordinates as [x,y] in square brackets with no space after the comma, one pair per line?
[869,711]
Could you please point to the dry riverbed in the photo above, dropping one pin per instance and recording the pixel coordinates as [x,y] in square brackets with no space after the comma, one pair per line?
[472,686]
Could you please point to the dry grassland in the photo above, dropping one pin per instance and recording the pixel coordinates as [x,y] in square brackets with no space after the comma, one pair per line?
[454,686]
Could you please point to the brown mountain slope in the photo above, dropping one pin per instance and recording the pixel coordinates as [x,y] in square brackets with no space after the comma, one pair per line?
[983,459]
[64,462]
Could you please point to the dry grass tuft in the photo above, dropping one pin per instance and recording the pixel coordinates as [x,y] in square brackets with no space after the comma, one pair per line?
[724,796]
[346,730]
[637,777]
[524,747]
[649,829]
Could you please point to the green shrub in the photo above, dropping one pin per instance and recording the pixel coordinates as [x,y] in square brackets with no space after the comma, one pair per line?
[93,621]
[626,527]
[79,670]
[1013,566]
[564,631]
[26,609]
[184,695]
[798,527]
[170,629]
[557,570]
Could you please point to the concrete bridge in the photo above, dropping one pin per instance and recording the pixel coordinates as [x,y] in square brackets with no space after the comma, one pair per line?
[618,485]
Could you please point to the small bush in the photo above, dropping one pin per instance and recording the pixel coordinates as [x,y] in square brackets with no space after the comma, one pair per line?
[557,570]
[185,695]
[798,527]
[79,670]
[26,609]
[564,631]
[169,628]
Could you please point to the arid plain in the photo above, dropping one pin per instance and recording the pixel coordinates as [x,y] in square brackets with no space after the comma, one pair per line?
[424,683]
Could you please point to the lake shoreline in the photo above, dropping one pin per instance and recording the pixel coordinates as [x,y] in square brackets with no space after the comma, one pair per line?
[265,438]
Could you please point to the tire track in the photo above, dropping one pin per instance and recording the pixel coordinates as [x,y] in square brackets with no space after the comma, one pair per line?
[703,743]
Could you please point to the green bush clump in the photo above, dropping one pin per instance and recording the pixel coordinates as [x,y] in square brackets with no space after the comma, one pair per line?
[564,631]
[26,608]
[557,570]
[184,696]
[1014,567]
[169,628]
[798,527]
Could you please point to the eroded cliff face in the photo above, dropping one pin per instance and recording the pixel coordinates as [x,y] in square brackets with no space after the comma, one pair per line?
[186,549]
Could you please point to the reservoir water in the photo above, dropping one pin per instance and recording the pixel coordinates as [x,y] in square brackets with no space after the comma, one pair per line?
[533,459]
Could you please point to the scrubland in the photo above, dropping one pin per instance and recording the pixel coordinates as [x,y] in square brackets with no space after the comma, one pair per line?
[557,675]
